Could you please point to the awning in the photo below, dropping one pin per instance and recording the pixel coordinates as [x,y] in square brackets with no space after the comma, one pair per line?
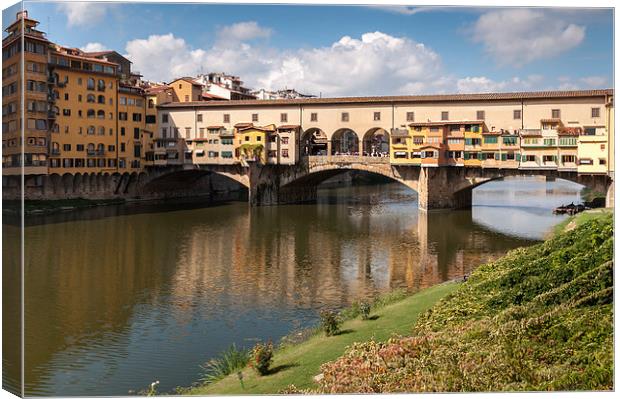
[400,153]
[200,152]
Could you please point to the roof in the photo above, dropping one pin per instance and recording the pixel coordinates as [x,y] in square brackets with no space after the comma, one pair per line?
[243,124]
[551,120]
[515,96]
[288,127]
[188,80]
[443,123]
[269,128]
[156,89]
[213,96]
[215,127]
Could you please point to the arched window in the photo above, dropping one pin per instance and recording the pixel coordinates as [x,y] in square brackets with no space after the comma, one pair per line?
[56,95]
[101,99]
[55,128]
[101,85]
[100,148]
[101,131]
[90,98]
[90,113]
[90,148]
[101,114]
[55,147]
[151,103]
[90,85]
[91,130]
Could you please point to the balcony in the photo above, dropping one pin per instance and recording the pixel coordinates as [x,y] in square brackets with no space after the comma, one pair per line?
[55,152]
[227,133]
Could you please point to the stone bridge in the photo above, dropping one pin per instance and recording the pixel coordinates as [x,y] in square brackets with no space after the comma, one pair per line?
[437,187]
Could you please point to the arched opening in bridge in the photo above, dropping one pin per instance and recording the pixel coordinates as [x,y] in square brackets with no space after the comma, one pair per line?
[376,143]
[196,183]
[313,142]
[345,142]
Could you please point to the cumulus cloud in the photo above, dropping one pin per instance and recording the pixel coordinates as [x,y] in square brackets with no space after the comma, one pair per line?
[375,63]
[94,46]
[84,14]
[520,36]
[243,31]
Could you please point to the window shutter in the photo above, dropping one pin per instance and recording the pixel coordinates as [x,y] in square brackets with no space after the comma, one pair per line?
[480,156]
[518,157]
[466,157]
[497,156]
[503,156]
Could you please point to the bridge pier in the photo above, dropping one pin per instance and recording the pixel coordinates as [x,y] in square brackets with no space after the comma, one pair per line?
[438,188]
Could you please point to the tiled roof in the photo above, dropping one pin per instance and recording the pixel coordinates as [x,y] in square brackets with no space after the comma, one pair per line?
[287,127]
[515,96]
[156,89]
[215,127]
[243,125]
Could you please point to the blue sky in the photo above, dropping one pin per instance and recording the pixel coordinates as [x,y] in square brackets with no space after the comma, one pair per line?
[385,50]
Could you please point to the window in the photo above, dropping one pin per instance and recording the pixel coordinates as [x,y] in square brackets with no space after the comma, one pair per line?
[549,142]
[283,117]
[596,112]
[123,101]
[90,113]
[490,140]
[254,117]
[199,117]
[226,118]
[186,98]
[90,98]
[79,147]
[314,117]
[480,115]
[151,119]
[585,161]
[568,159]
[101,114]
[188,131]
[516,114]
[101,131]
[444,116]
[66,112]
[90,130]
[247,138]
[510,140]
[410,116]
[100,85]
[101,99]
[602,161]
[284,140]
[122,116]
[285,153]
[164,118]
[111,148]
[79,98]
[66,96]
[589,131]
[136,117]
[568,141]
[123,131]
[152,104]
[122,147]
[164,132]
[66,147]
[555,113]
[376,116]
[90,85]
[344,117]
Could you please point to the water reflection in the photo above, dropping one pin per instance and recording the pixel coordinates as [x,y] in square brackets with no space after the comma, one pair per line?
[114,303]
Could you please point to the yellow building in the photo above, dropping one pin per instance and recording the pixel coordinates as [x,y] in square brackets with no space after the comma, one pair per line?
[251,142]
[401,147]
[132,137]
[472,131]
[37,104]
[84,134]
[185,90]
[593,150]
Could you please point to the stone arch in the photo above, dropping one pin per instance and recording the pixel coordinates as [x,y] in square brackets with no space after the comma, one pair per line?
[345,141]
[313,142]
[67,183]
[179,181]
[55,181]
[77,183]
[376,142]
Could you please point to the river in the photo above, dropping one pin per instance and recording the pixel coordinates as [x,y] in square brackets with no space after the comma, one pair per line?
[118,298]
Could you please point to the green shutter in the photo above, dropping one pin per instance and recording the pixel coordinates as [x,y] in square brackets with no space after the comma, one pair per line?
[497,156]
[466,156]
[503,157]
[480,156]
[518,157]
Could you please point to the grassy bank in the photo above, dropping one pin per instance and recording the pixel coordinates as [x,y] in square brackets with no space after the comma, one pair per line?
[581,218]
[539,319]
[298,364]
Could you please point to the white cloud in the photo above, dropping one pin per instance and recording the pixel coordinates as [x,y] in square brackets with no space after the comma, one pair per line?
[93,47]
[594,82]
[375,63]
[243,31]
[84,14]
[406,10]
[520,36]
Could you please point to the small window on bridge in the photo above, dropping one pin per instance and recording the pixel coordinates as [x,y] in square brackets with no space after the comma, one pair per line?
[410,117]
[444,116]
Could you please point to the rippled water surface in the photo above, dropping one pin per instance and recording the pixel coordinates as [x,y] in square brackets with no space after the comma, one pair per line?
[126,297]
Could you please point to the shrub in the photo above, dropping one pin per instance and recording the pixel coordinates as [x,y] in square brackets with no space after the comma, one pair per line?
[364,308]
[262,355]
[229,361]
[330,322]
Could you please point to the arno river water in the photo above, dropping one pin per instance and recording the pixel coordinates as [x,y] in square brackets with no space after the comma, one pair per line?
[114,303]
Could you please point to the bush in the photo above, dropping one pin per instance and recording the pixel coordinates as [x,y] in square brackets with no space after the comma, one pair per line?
[364,308]
[330,322]
[229,361]
[262,355]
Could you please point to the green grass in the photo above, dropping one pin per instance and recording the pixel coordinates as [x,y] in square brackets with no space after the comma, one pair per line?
[298,364]
[580,218]
[538,319]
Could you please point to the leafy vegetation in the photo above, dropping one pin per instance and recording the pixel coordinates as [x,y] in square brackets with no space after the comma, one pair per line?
[262,357]
[540,318]
[228,362]
[330,322]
